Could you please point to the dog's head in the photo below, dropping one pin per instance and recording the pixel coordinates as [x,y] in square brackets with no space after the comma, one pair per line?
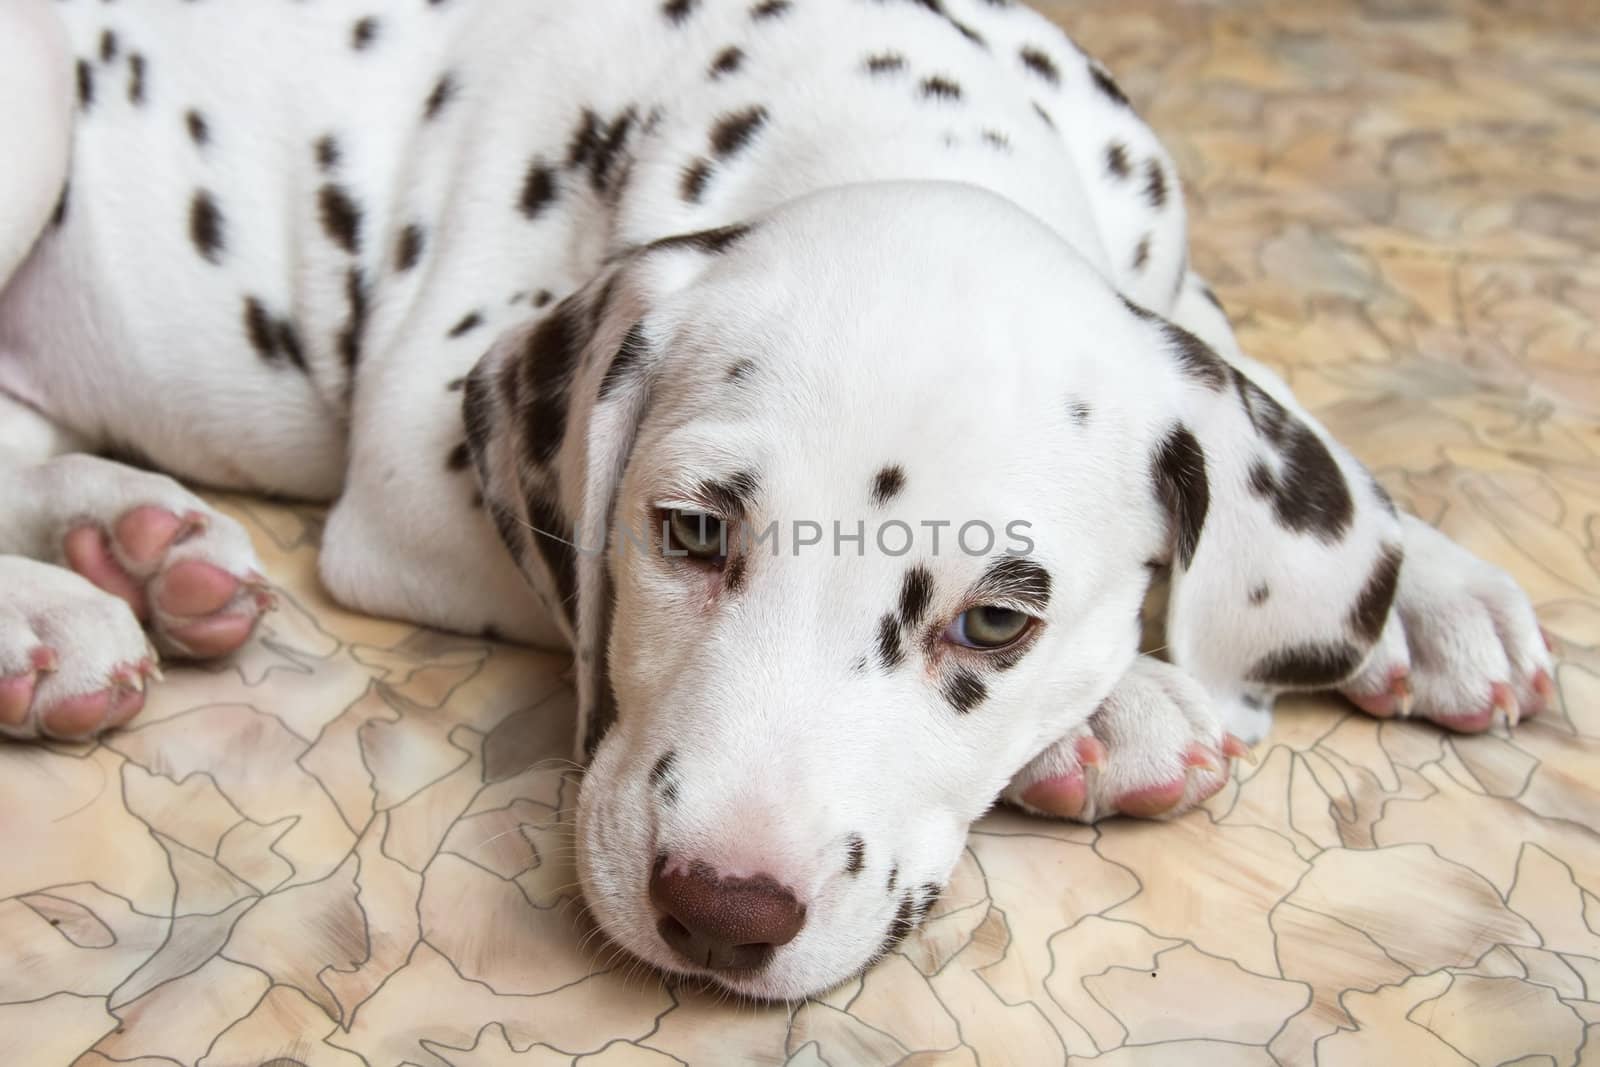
[863,503]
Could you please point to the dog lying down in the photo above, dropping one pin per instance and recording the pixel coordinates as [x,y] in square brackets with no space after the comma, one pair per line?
[828,374]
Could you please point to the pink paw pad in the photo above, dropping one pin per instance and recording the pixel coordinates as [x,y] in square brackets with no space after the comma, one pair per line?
[1152,800]
[88,552]
[83,716]
[1062,796]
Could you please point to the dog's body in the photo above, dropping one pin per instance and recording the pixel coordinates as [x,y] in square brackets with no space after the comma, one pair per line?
[486,274]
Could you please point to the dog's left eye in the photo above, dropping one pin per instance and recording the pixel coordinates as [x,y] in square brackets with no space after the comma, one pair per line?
[988,627]
[703,537]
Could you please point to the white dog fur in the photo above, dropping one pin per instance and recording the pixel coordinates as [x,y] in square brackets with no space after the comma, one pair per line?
[784,261]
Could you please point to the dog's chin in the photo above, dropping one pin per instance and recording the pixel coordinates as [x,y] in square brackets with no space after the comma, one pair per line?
[616,836]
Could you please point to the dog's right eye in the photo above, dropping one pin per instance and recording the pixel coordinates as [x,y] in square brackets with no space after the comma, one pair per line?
[703,537]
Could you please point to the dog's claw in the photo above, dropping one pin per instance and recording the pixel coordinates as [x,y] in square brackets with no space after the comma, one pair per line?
[1234,748]
[1503,700]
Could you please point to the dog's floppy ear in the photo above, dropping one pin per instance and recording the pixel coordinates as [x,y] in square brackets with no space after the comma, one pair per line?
[552,412]
[1284,551]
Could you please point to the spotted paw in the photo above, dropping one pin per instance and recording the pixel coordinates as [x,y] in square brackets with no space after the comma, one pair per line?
[188,573]
[1462,647]
[74,660]
[1153,749]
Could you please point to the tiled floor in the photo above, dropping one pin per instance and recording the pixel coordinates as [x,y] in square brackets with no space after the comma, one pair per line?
[344,847]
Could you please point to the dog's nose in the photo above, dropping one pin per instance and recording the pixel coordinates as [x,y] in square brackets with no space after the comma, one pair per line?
[725,924]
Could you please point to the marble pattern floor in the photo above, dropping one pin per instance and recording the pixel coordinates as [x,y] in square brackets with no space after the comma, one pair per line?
[346,845]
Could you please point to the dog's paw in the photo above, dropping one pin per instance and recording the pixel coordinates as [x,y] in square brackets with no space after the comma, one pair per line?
[1153,749]
[73,658]
[1462,646]
[187,572]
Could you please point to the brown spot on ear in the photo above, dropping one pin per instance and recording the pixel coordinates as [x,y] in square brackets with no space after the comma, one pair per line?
[1178,469]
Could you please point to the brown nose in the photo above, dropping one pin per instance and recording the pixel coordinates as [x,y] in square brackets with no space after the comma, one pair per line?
[725,924]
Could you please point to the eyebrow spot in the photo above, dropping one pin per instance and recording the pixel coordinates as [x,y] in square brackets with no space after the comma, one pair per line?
[888,484]
[915,594]
[1015,578]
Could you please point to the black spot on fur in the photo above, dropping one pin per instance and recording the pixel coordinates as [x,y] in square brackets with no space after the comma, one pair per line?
[340,217]
[597,145]
[542,298]
[1141,253]
[273,339]
[735,575]
[885,63]
[364,32]
[1178,469]
[1117,162]
[543,375]
[1310,496]
[550,537]
[1155,184]
[916,593]
[940,88]
[728,61]
[894,877]
[206,226]
[136,69]
[768,9]
[58,217]
[855,854]
[1206,291]
[887,484]
[460,457]
[538,190]
[996,139]
[712,242]
[1371,609]
[199,131]
[1104,82]
[734,132]
[108,46]
[355,323]
[965,691]
[85,85]
[1308,666]
[937,7]
[890,650]
[695,177]
[677,11]
[901,926]
[741,370]
[455,385]
[1041,64]
[629,358]
[471,321]
[1194,355]
[258,328]
[662,767]
[1015,578]
[408,251]
[327,153]
[731,496]
[1079,411]
[1259,595]
[444,90]
[1039,110]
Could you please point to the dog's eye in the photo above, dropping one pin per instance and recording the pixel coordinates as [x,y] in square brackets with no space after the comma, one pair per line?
[988,627]
[702,536]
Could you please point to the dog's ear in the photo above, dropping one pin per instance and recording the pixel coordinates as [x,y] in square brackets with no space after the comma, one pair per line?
[1284,551]
[552,412]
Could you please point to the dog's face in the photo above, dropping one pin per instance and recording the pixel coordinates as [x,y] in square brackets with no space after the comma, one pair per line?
[882,533]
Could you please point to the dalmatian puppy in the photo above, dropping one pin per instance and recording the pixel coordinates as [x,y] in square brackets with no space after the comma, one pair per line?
[826,373]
